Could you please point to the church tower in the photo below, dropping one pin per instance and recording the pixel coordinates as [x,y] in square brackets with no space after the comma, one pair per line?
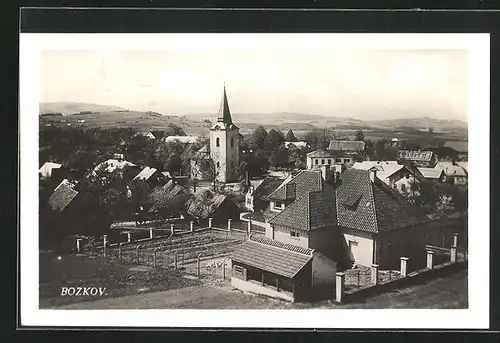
[224,144]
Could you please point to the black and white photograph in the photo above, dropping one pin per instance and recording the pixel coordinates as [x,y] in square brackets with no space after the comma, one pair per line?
[326,173]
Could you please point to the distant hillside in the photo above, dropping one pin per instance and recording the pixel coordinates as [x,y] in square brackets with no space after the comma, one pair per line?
[67,108]
[422,123]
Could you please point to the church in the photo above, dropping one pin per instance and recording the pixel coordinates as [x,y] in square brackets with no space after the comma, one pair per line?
[220,158]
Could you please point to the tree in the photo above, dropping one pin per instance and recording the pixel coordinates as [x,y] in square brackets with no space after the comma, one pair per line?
[290,137]
[257,139]
[273,140]
[359,135]
[278,157]
[174,130]
[173,163]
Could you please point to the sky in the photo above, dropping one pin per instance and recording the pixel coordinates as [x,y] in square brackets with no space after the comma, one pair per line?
[263,78]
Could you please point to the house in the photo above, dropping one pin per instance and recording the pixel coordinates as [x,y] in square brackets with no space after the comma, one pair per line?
[302,213]
[464,165]
[147,134]
[296,145]
[138,190]
[318,158]
[182,139]
[418,158]
[379,224]
[170,198]
[435,174]
[460,147]
[256,198]
[47,168]
[454,173]
[152,175]
[390,171]
[208,204]
[345,152]
[269,267]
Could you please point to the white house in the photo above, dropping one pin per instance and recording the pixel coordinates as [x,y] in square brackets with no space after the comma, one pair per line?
[182,139]
[46,170]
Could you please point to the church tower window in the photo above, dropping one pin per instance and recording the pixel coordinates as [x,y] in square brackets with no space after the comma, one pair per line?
[217,142]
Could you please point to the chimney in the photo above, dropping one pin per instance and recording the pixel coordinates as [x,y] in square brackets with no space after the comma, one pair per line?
[327,174]
[373,174]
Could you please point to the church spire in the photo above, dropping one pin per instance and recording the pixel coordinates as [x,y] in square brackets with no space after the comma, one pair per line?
[224,114]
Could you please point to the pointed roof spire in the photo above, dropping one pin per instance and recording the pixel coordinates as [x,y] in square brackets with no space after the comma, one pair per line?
[224,114]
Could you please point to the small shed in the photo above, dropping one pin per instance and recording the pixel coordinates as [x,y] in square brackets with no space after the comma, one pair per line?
[264,266]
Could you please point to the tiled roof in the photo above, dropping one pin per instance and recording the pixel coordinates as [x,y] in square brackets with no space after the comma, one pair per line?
[431,173]
[311,211]
[272,256]
[305,181]
[336,145]
[139,186]
[380,208]
[379,165]
[205,203]
[62,197]
[363,217]
[458,146]
[417,155]
[146,173]
[266,187]
[319,153]
[168,195]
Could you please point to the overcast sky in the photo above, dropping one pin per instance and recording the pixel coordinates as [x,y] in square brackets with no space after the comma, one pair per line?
[314,79]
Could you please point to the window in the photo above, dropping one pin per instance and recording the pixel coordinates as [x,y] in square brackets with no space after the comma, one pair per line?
[278,204]
[238,270]
[218,162]
[294,234]
[347,160]
[329,161]
[232,142]
[217,142]
[338,160]
[322,161]
[316,161]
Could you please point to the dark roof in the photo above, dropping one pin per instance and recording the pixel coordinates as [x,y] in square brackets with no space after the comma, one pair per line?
[140,186]
[272,256]
[168,196]
[311,211]
[378,208]
[336,145]
[205,203]
[62,197]
[458,146]
[305,181]
[266,187]
[319,153]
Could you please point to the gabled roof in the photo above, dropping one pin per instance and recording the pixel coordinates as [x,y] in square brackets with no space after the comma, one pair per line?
[379,208]
[138,187]
[46,169]
[431,173]
[464,165]
[336,145]
[380,165]
[272,256]
[320,153]
[305,181]
[182,139]
[145,173]
[266,187]
[62,197]
[113,164]
[168,195]
[458,146]
[311,211]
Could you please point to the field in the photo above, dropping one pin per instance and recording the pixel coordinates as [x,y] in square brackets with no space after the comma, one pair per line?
[147,289]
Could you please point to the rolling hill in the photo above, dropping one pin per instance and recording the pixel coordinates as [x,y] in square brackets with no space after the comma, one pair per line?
[67,108]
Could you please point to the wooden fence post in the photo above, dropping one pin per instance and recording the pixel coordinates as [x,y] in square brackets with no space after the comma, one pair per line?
[129,237]
[249,226]
[191,226]
[374,274]
[430,262]
[404,266]
[198,264]
[151,233]
[154,256]
[78,245]
[172,229]
[224,267]
[229,225]
[175,261]
[209,223]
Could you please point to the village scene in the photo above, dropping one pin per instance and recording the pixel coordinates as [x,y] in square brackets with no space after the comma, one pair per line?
[177,212]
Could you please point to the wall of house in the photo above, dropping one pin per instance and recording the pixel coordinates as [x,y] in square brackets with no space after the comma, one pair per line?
[319,161]
[361,249]
[284,235]
[410,242]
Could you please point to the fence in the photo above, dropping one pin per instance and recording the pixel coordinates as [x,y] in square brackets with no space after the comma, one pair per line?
[363,281]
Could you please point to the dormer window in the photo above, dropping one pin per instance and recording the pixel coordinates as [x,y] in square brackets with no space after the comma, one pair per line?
[217,142]
[352,202]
